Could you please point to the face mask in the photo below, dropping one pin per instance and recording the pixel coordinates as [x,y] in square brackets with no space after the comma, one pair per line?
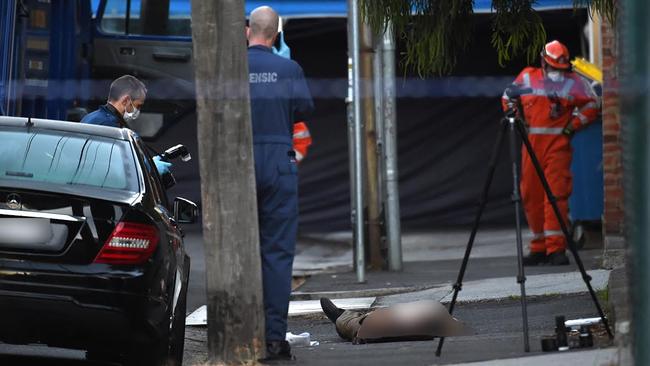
[284,50]
[555,76]
[131,116]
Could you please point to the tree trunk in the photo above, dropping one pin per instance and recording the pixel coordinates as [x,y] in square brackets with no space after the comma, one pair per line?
[230,227]
[372,172]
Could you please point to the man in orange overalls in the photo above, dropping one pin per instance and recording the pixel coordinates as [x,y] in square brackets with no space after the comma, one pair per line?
[560,103]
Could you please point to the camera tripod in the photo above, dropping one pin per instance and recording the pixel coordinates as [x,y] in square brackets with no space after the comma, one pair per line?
[515,127]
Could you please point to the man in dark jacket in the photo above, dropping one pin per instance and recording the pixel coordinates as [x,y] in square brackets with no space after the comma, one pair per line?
[279,97]
[125,99]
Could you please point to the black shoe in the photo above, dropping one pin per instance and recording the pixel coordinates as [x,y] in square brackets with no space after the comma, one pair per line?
[277,351]
[558,259]
[330,310]
[534,259]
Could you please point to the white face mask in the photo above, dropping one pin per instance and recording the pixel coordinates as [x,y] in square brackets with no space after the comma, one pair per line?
[555,76]
[131,116]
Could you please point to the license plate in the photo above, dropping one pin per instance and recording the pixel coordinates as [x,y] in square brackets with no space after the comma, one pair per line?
[23,232]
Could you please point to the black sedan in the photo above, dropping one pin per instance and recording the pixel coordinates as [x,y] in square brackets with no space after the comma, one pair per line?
[91,257]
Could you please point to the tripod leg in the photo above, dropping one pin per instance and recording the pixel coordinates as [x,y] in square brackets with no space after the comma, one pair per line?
[569,238]
[516,197]
[494,158]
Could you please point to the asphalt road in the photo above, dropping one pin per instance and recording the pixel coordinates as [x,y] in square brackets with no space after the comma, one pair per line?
[497,326]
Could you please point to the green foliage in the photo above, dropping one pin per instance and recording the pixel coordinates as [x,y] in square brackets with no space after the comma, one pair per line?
[436,31]
[517,28]
[607,9]
[438,35]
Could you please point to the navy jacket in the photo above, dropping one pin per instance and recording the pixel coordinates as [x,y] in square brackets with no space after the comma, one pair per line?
[279,93]
[105,115]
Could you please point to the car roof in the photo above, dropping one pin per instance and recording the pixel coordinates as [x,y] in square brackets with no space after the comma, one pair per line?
[54,125]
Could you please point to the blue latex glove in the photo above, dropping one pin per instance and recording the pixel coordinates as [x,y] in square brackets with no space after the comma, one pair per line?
[284,50]
[161,166]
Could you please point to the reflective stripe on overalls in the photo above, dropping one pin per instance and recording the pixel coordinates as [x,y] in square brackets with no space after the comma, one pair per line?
[553,151]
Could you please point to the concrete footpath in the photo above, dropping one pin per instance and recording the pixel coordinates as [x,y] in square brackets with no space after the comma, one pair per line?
[490,302]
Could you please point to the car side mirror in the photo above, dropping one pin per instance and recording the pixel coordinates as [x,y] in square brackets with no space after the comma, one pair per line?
[185,211]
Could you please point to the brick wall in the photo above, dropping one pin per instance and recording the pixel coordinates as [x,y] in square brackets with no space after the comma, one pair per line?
[613,216]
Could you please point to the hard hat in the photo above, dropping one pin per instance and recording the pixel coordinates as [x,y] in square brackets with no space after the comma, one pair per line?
[556,55]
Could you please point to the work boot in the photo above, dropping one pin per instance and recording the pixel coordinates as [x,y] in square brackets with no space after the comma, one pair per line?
[277,351]
[331,311]
[558,258]
[534,259]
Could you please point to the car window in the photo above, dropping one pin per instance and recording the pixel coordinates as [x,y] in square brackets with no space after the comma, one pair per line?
[158,192]
[147,18]
[66,159]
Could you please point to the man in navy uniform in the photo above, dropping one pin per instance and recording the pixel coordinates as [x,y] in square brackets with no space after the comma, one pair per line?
[125,99]
[279,97]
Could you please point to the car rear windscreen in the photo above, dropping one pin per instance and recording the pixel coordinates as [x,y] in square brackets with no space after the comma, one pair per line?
[66,158]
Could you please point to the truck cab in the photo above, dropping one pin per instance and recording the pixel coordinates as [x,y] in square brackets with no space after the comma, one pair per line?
[152,41]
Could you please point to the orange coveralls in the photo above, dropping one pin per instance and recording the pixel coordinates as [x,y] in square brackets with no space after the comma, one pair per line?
[550,107]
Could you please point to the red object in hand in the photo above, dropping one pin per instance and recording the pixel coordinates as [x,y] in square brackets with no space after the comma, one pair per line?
[301,140]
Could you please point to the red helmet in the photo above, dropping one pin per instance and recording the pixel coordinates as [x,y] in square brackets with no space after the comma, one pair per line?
[556,55]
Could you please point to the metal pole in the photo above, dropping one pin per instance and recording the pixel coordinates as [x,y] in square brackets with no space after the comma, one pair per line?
[10,60]
[11,80]
[354,44]
[378,77]
[393,226]
[351,148]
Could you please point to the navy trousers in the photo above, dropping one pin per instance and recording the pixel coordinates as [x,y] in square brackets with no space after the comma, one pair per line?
[277,204]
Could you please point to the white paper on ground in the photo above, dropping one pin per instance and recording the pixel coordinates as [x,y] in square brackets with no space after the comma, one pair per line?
[313,306]
[200,316]
[302,339]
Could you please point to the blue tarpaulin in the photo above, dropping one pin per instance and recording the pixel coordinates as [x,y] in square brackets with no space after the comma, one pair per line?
[329,8]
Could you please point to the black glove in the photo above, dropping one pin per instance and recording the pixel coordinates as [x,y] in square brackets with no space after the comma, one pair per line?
[568,131]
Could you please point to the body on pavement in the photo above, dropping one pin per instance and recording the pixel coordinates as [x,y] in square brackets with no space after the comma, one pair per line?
[418,320]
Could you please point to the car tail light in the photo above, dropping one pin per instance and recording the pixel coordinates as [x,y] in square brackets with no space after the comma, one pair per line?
[129,243]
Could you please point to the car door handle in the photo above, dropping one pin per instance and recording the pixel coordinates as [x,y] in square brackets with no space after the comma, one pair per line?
[172,56]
